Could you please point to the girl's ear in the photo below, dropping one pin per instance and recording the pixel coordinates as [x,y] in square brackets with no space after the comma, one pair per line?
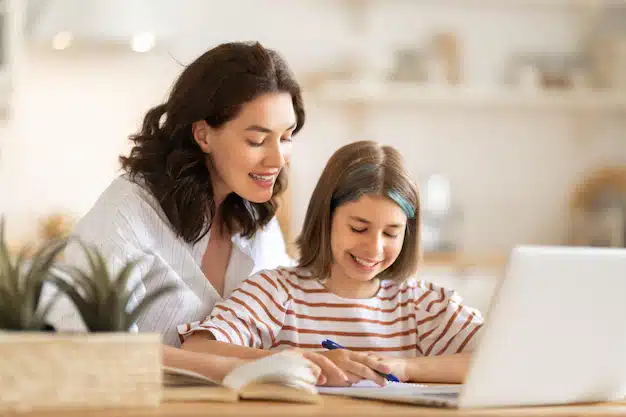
[202,133]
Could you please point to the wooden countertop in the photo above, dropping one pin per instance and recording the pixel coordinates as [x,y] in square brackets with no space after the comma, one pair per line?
[332,406]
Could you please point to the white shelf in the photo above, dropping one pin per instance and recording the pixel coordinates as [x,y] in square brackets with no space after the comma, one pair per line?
[415,94]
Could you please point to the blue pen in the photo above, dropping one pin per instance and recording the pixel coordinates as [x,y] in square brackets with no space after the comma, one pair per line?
[330,345]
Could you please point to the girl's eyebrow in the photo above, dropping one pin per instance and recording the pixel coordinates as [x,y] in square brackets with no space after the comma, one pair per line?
[362,220]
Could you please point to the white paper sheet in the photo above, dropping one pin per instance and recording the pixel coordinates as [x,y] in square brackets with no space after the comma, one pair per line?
[395,391]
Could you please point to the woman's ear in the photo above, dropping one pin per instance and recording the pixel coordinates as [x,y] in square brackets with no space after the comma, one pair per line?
[202,135]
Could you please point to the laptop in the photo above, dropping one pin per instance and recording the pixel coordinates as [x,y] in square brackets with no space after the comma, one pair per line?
[555,333]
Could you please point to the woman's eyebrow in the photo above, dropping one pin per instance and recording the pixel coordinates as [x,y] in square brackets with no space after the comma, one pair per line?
[263,129]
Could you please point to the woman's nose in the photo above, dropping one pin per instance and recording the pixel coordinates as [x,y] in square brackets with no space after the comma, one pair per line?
[275,157]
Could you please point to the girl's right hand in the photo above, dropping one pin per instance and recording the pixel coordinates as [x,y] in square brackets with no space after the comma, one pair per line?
[328,372]
[357,366]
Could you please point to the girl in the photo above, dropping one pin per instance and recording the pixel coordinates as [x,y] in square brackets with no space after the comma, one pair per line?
[199,193]
[358,251]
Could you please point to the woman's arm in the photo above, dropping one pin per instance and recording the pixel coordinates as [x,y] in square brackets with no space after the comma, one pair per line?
[212,366]
[205,343]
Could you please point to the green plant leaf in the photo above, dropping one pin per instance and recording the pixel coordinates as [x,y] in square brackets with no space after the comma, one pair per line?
[10,307]
[90,291]
[124,276]
[21,283]
[7,274]
[101,298]
[146,301]
[43,261]
[43,311]
[81,305]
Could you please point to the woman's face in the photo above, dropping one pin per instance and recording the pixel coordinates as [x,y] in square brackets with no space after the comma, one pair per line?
[248,152]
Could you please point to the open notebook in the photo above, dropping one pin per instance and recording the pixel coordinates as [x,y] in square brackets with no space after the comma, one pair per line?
[419,394]
[284,376]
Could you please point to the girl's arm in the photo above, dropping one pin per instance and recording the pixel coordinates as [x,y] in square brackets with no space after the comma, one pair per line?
[447,332]
[245,326]
[443,369]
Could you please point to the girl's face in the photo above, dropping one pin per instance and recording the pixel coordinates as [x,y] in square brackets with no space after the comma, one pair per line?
[249,151]
[366,237]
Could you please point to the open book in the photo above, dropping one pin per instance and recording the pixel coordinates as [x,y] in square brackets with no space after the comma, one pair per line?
[285,376]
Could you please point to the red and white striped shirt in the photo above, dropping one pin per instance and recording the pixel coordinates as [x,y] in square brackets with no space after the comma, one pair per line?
[286,307]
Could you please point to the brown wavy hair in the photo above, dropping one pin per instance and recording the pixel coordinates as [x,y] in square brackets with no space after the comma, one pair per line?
[213,88]
[354,170]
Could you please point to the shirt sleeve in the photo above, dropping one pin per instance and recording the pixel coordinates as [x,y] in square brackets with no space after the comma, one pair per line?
[252,316]
[112,236]
[444,324]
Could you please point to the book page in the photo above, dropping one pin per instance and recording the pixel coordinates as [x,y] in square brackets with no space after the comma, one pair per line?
[285,368]
[178,377]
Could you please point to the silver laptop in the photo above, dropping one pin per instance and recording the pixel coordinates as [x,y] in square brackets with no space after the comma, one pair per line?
[555,334]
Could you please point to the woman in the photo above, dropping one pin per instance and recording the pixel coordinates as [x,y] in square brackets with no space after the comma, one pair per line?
[199,193]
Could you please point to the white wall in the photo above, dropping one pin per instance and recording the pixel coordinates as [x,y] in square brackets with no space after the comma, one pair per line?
[72,114]
[511,170]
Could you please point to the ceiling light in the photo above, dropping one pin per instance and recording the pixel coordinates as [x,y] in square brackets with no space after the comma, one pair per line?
[142,42]
[62,40]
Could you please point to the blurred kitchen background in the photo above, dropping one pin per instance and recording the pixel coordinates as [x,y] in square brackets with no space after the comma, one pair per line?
[510,113]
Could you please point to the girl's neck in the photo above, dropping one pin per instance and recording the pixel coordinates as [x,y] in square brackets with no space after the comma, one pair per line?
[349,288]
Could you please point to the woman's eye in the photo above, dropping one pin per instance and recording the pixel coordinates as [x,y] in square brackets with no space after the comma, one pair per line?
[255,144]
[390,235]
[355,230]
[287,140]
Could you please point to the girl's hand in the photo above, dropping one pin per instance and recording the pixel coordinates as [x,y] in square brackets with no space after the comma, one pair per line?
[357,366]
[398,366]
[328,373]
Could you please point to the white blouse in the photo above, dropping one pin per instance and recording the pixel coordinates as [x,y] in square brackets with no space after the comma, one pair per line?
[126,223]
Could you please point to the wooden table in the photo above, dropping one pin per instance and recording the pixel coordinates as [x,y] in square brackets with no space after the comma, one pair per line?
[331,406]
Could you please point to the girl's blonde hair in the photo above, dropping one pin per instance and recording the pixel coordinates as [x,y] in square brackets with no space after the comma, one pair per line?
[358,169]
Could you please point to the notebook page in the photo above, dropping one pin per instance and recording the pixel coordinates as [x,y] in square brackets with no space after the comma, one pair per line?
[393,390]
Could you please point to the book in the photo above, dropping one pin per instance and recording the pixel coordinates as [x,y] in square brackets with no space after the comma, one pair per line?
[284,376]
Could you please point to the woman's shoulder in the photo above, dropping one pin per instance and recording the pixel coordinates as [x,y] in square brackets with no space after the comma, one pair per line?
[125,204]
[126,194]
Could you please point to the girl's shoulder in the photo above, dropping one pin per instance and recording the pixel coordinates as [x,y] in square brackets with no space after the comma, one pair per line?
[420,290]
[294,279]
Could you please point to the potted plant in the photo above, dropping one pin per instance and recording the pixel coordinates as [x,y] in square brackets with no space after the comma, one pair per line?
[106,366]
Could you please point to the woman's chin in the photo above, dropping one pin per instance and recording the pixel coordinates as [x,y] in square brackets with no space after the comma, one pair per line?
[258,197]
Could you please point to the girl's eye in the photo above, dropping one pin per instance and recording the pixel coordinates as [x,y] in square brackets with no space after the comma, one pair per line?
[355,230]
[390,235]
[255,144]
[287,140]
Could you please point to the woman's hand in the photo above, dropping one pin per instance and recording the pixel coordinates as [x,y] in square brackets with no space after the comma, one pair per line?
[357,366]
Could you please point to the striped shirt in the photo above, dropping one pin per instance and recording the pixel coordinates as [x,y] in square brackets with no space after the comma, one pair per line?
[286,307]
[127,223]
